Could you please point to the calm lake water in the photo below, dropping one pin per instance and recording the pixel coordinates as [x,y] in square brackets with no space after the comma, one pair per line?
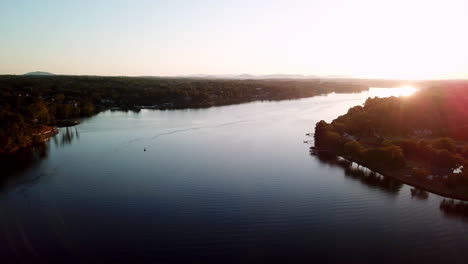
[231,184]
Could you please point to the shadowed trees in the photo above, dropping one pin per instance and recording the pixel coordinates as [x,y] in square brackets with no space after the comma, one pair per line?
[327,138]
[423,133]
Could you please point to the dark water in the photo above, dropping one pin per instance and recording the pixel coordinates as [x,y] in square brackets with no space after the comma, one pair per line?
[233,184]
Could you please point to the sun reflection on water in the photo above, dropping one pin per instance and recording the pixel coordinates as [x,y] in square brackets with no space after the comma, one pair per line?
[405,90]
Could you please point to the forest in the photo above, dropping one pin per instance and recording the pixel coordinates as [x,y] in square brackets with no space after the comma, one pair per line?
[423,136]
[29,103]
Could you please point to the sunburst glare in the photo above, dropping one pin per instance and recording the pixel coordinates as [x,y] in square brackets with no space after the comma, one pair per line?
[405,90]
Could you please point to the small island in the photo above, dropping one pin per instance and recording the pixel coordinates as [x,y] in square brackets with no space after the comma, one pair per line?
[421,140]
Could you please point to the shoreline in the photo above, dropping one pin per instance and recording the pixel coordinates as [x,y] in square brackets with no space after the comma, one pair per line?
[66,123]
[433,186]
[41,134]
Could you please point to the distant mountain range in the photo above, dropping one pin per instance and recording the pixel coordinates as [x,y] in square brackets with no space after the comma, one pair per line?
[244,76]
[39,73]
[249,76]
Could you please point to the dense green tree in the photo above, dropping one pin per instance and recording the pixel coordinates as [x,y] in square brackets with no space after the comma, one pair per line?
[354,149]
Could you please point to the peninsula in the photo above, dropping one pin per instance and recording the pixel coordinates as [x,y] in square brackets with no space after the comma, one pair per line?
[421,140]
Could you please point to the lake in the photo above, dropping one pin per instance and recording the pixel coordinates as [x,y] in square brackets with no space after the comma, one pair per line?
[230,184]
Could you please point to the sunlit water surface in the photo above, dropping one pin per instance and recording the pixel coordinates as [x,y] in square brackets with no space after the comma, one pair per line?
[219,185]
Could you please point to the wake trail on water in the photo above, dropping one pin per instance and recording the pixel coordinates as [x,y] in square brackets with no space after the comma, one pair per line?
[193,128]
[124,146]
[175,132]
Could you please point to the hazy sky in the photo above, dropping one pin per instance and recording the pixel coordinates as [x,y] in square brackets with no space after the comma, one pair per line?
[361,38]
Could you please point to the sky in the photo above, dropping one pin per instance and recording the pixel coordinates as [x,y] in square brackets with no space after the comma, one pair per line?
[408,39]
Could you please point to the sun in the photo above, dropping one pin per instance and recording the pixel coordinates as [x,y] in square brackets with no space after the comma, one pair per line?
[407,90]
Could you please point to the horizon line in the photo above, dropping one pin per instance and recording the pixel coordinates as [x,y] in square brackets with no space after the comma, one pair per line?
[235,76]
